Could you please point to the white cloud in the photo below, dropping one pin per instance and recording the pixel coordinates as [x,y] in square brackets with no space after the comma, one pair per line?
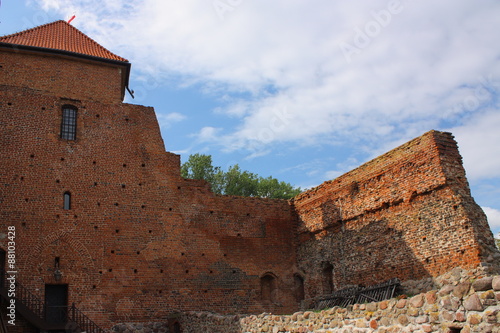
[422,69]
[208,133]
[167,120]
[479,144]
[493,219]
[342,167]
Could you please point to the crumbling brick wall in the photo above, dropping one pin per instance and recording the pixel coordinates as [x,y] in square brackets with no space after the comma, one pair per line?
[405,214]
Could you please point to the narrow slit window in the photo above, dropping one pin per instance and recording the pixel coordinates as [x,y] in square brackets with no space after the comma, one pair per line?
[68,123]
[67,201]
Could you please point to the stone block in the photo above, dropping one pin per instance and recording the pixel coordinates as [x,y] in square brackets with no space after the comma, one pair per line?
[427,328]
[474,319]
[431,297]
[448,315]
[401,303]
[489,294]
[473,303]
[403,319]
[446,290]
[417,301]
[483,284]
[495,283]
[461,290]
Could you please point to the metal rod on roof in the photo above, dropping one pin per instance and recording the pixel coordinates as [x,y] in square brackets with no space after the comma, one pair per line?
[131,92]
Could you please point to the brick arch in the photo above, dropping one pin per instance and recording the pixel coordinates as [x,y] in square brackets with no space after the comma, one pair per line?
[75,245]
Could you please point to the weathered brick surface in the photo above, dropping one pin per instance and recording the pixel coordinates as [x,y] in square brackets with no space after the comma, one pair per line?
[405,214]
[140,243]
[62,76]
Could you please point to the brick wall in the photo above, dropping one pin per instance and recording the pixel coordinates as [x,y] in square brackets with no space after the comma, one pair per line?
[139,241]
[405,214]
[67,77]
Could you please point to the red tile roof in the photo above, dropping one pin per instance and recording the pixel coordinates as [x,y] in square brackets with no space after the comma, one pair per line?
[60,35]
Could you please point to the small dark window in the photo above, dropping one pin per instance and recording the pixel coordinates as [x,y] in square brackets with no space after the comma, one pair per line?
[67,200]
[68,123]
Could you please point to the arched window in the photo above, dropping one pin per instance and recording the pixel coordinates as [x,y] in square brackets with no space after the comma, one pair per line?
[67,200]
[328,279]
[298,282]
[68,122]
[267,287]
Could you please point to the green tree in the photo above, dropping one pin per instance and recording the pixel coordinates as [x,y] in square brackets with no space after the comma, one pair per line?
[272,188]
[199,166]
[238,182]
[235,181]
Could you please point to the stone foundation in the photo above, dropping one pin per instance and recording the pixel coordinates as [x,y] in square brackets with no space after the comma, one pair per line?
[158,327]
[462,301]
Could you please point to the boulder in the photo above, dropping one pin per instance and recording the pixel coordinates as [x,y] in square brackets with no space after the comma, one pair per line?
[483,284]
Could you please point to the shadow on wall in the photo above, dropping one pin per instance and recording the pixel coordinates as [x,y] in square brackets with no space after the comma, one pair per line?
[364,251]
[488,252]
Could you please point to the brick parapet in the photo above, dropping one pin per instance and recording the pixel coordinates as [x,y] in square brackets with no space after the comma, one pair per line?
[391,179]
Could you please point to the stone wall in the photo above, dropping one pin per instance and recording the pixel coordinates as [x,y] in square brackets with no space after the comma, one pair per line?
[464,301]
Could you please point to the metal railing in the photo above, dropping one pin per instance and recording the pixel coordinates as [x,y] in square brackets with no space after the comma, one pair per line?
[31,301]
[358,295]
[73,319]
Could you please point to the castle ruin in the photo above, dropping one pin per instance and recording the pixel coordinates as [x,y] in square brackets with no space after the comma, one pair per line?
[103,220]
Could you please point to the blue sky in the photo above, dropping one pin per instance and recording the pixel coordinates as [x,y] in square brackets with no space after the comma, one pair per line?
[304,91]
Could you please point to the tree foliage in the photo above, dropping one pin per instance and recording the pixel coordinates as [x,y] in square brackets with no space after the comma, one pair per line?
[235,181]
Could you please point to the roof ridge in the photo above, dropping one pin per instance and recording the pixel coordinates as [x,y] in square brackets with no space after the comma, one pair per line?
[50,36]
[91,39]
[29,30]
